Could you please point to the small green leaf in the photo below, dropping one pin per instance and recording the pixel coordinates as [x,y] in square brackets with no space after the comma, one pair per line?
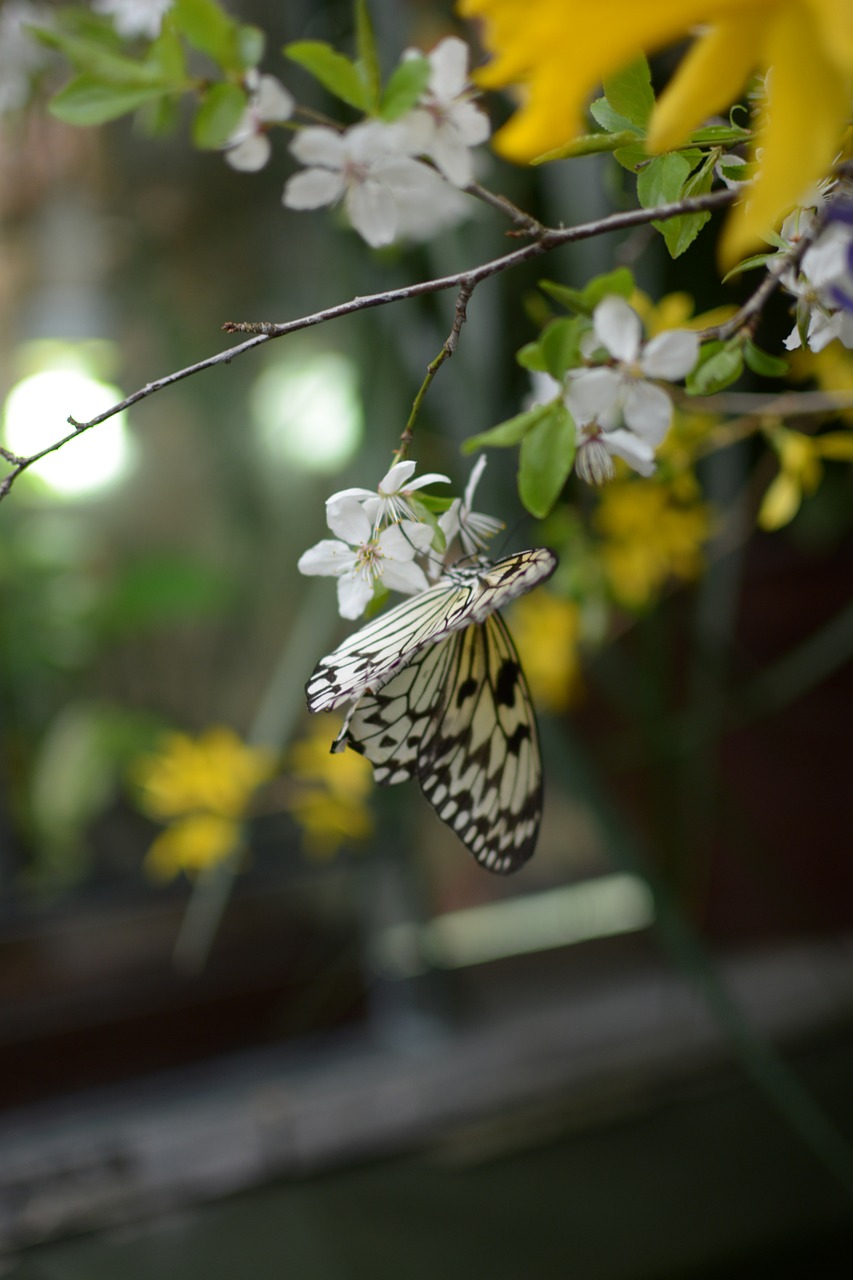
[166,57]
[545,460]
[762,362]
[507,433]
[662,179]
[407,83]
[679,233]
[560,342]
[716,372]
[218,115]
[334,71]
[531,356]
[367,55]
[590,144]
[86,100]
[251,43]
[619,281]
[610,119]
[210,30]
[630,92]
[99,61]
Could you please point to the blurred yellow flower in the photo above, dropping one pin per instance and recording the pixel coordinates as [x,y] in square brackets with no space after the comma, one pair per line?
[330,798]
[832,370]
[647,537]
[547,631]
[675,311]
[558,51]
[801,459]
[192,844]
[202,787]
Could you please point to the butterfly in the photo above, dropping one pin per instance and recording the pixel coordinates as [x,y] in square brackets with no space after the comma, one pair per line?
[438,693]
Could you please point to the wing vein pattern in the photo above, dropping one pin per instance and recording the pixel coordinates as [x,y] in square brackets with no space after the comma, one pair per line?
[439,695]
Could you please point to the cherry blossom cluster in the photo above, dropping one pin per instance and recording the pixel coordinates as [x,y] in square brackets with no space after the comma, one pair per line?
[395,180]
[618,407]
[384,539]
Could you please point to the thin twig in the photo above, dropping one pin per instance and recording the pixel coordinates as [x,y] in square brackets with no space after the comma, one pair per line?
[460,315]
[262,331]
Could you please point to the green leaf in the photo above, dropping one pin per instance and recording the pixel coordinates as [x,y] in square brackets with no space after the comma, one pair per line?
[716,372]
[630,92]
[166,57]
[99,61]
[407,83]
[666,179]
[218,115]
[762,362]
[334,71]
[560,343]
[662,179]
[590,144]
[251,43]
[610,119]
[367,56]
[545,460]
[210,30]
[620,281]
[507,433]
[86,100]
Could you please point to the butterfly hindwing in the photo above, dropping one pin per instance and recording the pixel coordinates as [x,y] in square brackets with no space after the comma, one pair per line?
[460,719]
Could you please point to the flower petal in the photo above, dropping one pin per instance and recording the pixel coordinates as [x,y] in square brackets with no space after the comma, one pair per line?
[648,411]
[618,328]
[595,396]
[327,559]
[321,146]
[671,355]
[396,477]
[408,578]
[249,155]
[347,518]
[638,453]
[372,213]
[313,188]
[355,592]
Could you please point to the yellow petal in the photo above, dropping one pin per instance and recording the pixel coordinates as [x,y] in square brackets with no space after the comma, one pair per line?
[560,50]
[709,78]
[836,445]
[801,129]
[781,503]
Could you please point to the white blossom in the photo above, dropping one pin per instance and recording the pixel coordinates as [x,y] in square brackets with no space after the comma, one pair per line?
[620,390]
[368,168]
[389,501]
[135,17]
[248,148]
[446,124]
[823,285]
[596,443]
[359,556]
[473,528]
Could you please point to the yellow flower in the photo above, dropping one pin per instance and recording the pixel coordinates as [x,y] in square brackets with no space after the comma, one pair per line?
[559,51]
[547,633]
[193,844]
[648,537]
[214,773]
[330,801]
[800,471]
[202,788]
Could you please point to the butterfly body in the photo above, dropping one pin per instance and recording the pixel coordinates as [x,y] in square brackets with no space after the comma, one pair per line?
[438,694]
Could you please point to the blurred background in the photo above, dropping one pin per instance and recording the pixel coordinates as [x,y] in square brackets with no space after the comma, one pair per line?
[350,1051]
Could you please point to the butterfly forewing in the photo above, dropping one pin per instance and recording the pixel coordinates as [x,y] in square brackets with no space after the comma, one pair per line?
[368,658]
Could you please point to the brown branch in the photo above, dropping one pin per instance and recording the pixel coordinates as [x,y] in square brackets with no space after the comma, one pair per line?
[547,239]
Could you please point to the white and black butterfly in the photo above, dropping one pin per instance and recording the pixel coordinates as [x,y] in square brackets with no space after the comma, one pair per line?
[439,695]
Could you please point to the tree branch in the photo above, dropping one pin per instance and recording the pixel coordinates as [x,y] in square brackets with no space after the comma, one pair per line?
[546,240]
